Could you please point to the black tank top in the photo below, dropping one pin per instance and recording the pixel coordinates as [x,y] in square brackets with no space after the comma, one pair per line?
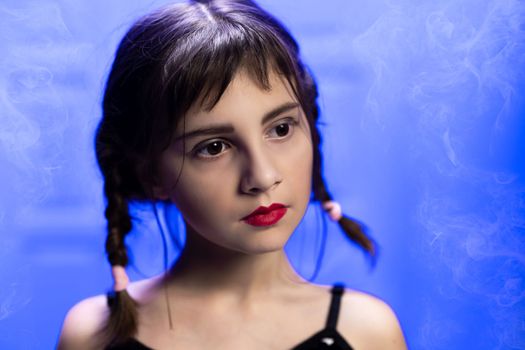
[327,338]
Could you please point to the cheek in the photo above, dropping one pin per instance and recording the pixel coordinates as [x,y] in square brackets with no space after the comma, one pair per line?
[201,194]
[299,164]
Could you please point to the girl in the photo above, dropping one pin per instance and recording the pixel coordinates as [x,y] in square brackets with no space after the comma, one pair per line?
[209,107]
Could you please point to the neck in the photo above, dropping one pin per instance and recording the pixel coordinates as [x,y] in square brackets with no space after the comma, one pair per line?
[205,268]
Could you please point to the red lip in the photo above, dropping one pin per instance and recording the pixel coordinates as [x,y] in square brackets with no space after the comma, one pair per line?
[266,216]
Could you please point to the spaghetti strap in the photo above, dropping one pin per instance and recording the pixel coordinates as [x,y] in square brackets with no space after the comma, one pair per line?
[110,298]
[335,303]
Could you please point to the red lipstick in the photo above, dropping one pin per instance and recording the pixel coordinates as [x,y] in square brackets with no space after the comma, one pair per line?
[266,216]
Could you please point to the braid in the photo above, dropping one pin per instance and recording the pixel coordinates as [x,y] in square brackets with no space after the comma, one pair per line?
[119,223]
[122,321]
[353,229]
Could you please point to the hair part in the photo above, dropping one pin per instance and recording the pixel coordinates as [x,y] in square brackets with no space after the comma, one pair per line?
[177,57]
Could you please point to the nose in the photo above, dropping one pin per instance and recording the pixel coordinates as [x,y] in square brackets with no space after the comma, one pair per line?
[259,173]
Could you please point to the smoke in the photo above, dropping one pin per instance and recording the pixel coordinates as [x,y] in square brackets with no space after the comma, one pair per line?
[33,115]
[456,69]
[33,119]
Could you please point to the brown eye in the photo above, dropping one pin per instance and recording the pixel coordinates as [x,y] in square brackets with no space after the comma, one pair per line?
[282,130]
[212,149]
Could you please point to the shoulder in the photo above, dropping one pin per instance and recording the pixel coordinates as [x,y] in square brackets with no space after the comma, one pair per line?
[87,318]
[369,322]
[82,322]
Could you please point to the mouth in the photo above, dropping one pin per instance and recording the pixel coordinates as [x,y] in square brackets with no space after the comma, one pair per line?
[266,216]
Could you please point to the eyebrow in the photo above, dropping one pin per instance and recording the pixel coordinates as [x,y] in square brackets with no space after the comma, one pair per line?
[228,128]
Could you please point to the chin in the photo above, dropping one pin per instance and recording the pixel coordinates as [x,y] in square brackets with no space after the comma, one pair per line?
[265,245]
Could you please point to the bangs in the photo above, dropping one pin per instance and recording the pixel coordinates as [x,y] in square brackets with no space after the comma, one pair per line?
[201,66]
[186,55]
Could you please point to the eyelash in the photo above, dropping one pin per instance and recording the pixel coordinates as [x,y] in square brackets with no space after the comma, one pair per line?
[290,121]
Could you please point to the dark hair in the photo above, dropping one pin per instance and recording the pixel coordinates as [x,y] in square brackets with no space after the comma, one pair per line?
[169,60]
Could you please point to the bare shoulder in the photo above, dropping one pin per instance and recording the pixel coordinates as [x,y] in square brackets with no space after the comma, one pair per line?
[369,322]
[82,322]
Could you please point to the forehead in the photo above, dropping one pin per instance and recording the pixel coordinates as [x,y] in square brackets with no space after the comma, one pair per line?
[244,97]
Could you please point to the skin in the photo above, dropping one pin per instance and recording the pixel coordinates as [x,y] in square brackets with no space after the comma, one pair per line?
[259,163]
[233,286]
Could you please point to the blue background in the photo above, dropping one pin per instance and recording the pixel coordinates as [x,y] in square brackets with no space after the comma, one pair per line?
[423,104]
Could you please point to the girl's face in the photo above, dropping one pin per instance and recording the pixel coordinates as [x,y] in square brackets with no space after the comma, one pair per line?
[252,149]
